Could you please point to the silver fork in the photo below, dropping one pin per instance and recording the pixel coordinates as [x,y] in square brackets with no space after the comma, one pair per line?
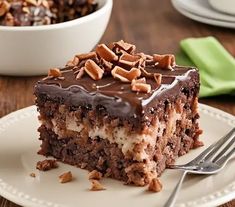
[210,161]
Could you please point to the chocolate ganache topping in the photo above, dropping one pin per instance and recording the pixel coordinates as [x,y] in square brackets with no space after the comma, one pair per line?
[117,78]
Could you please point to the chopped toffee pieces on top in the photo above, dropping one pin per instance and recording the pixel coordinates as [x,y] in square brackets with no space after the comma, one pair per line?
[121,62]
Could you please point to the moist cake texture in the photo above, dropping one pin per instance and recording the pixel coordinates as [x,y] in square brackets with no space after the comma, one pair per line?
[125,114]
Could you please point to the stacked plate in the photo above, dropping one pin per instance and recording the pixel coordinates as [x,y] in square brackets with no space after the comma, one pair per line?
[206,11]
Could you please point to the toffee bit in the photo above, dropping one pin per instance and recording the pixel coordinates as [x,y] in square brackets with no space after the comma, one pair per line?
[4,7]
[70,63]
[93,70]
[165,61]
[104,52]
[75,61]
[80,73]
[141,87]
[155,185]
[54,72]
[130,60]
[32,175]
[125,75]
[95,175]
[127,47]
[86,56]
[9,20]
[46,165]
[158,78]
[96,186]
[66,177]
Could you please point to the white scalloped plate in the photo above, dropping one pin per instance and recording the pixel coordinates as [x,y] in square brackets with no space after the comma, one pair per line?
[200,18]
[19,144]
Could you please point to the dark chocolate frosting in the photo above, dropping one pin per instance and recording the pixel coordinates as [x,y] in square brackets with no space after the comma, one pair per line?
[116,96]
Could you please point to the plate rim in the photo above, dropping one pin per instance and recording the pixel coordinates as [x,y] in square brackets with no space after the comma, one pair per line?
[11,193]
[223,11]
[202,19]
[187,6]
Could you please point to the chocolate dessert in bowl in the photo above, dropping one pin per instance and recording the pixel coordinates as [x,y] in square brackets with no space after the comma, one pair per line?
[39,34]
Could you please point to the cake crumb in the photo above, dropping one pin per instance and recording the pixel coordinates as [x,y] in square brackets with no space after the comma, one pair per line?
[108,173]
[155,185]
[46,165]
[94,174]
[198,143]
[66,177]
[32,175]
[96,186]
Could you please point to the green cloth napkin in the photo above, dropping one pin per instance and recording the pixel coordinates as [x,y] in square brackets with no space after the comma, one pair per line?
[216,66]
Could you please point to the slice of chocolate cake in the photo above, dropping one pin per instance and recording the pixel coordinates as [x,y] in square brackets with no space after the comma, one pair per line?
[123,113]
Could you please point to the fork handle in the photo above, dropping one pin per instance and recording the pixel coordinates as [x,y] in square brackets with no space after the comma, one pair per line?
[171,200]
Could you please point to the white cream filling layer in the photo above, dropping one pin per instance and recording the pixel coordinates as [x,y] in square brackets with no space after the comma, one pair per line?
[121,136]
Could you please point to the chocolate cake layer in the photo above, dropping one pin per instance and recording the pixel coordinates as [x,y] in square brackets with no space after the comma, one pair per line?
[172,131]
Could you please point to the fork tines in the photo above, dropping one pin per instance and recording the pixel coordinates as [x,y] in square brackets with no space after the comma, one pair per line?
[217,151]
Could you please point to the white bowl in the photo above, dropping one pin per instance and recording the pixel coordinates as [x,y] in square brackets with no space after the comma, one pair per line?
[27,51]
[225,6]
